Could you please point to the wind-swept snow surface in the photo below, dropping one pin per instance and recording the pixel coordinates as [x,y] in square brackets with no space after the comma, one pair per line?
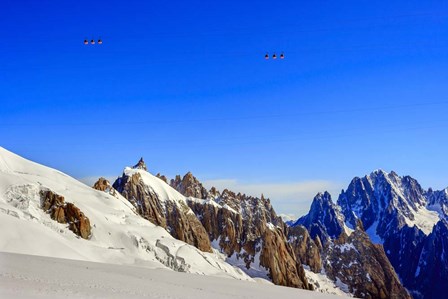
[119,235]
[25,276]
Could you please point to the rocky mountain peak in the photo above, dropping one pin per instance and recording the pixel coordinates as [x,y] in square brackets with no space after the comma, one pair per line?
[406,220]
[140,165]
[214,192]
[324,218]
[189,186]
[382,195]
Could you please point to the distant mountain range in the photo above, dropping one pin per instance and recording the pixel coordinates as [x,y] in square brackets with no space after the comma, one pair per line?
[396,213]
[385,237]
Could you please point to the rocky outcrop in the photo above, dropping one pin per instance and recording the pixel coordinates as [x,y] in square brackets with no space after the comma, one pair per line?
[173,215]
[140,165]
[277,256]
[307,250]
[63,212]
[162,177]
[104,185]
[362,266]
[246,229]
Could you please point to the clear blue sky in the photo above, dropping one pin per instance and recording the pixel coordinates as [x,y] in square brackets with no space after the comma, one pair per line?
[184,84]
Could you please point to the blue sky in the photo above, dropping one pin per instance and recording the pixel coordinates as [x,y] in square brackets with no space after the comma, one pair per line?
[184,84]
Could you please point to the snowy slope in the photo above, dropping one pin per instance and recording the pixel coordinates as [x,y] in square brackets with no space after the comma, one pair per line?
[159,187]
[24,276]
[166,192]
[323,284]
[119,235]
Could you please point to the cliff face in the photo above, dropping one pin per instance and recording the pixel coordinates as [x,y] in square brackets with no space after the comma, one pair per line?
[169,212]
[348,257]
[324,219]
[363,267]
[306,249]
[247,230]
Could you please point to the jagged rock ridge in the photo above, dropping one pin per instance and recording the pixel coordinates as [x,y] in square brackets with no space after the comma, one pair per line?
[348,257]
[246,229]
[408,221]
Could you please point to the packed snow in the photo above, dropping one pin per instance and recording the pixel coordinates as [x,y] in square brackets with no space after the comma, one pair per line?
[372,232]
[346,247]
[347,229]
[424,219]
[323,284]
[35,277]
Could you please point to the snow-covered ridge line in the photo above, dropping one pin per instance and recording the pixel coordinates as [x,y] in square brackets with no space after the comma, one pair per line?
[119,235]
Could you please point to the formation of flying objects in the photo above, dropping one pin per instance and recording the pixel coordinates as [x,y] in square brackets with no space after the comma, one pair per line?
[266,56]
[92,41]
[274,56]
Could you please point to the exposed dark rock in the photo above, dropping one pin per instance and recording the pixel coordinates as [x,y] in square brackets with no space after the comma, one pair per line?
[351,259]
[162,177]
[140,165]
[63,212]
[363,267]
[324,219]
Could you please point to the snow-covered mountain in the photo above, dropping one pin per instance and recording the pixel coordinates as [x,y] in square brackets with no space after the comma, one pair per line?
[347,256]
[381,226]
[409,222]
[244,228]
[324,220]
[399,216]
[117,233]
[385,202]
